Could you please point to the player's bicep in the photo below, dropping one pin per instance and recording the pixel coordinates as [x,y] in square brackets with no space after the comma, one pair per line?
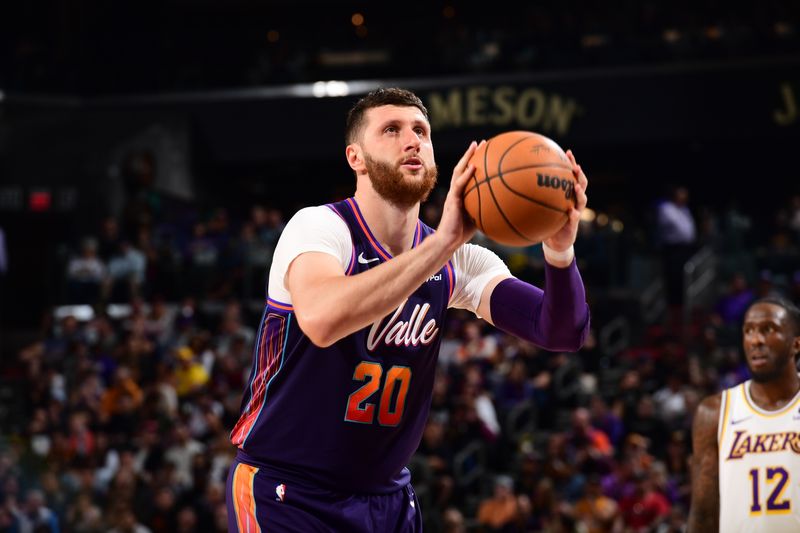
[306,274]
[485,307]
[704,513]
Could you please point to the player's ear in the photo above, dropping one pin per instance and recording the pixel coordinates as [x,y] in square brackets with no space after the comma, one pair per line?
[354,156]
[796,348]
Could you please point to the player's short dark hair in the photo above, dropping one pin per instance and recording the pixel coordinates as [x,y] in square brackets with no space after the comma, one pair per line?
[791,310]
[377,98]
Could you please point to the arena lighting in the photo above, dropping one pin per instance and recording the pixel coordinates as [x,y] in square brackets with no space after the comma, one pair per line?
[588,215]
[357,19]
[2,95]
[322,89]
[79,312]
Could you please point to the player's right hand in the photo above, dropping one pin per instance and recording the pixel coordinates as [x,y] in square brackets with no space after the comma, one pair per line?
[455,227]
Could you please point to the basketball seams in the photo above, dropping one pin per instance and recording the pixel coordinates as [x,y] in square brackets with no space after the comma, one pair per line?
[500,174]
[529,206]
[502,214]
[517,169]
[505,152]
[533,200]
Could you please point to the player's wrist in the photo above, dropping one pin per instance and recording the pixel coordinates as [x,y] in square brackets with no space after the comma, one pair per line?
[558,258]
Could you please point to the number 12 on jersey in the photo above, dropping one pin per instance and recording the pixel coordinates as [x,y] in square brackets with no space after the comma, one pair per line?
[778,477]
[360,411]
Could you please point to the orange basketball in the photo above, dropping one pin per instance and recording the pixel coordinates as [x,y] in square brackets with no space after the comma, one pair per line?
[522,190]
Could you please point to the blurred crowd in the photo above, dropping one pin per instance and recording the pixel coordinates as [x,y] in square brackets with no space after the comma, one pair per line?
[126,406]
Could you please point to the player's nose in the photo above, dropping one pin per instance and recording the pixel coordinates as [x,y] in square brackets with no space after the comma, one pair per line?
[411,140]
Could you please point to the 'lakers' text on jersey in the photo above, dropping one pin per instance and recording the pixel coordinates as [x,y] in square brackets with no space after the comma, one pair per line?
[759,464]
[348,416]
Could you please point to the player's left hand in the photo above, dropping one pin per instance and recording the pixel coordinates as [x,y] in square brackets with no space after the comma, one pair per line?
[565,237]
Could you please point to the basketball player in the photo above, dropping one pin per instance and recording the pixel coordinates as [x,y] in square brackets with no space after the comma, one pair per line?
[346,353]
[747,438]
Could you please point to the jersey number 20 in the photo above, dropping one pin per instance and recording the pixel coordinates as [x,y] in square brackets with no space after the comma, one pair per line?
[361,411]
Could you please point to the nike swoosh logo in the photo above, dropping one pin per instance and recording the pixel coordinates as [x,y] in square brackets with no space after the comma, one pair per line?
[364,261]
[734,422]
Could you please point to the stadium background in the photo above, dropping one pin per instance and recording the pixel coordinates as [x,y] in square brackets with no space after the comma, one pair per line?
[195,128]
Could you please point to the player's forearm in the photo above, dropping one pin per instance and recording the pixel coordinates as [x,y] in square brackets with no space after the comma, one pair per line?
[344,306]
[556,318]
[703,518]
[704,512]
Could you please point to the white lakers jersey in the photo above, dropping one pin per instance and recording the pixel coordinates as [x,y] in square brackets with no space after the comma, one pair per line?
[759,465]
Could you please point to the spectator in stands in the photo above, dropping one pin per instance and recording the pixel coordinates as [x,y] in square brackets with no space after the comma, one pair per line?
[514,388]
[190,375]
[670,400]
[677,236]
[453,521]
[646,422]
[591,447]
[126,271]
[766,286]
[84,516]
[438,455]
[597,512]
[126,522]
[731,306]
[475,345]
[181,455]
[123,389]
[85,275]
[646,508]
[37,517]
[500,512]
[606,420]
[202,259]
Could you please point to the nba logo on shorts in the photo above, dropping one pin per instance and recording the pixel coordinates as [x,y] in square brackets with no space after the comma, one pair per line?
[280,490]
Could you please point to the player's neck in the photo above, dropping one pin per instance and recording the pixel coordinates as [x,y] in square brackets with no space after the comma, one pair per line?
[775,394]
[393,226]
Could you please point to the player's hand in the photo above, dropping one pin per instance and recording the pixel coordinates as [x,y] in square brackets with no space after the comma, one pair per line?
[455,226]
[565,237]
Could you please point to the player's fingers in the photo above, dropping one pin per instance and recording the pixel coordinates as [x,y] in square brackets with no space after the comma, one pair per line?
[571,158]
[462,163]
[582,179]
[577,170]
[581,199]
[460,182]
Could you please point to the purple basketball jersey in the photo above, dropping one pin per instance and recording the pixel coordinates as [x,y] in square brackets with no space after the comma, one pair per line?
[351,415]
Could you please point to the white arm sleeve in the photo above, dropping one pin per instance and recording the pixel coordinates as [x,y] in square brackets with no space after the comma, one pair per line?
[475,267]
[312,229]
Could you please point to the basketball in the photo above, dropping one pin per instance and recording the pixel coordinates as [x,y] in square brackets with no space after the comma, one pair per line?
[522,189]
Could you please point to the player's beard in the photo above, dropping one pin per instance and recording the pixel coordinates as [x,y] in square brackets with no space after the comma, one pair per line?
[773,371]
[396,188]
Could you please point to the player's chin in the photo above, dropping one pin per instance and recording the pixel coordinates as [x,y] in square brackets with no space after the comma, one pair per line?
[415,172]
[764,374]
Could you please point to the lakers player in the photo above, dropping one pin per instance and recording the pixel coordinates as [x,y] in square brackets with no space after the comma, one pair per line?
[746,474]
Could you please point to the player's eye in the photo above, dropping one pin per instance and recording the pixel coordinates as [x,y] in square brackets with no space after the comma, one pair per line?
[390,129]
[420,131]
